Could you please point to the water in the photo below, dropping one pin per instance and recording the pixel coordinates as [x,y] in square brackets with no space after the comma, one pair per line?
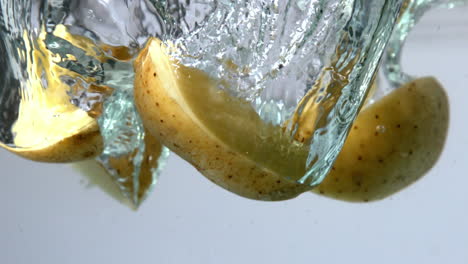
[412,12]
[303,65]
[76,57]
[291,59]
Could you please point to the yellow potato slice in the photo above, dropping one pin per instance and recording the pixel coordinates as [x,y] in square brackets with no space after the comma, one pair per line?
[392,144]
[49,127]
[222,136]
[82,144]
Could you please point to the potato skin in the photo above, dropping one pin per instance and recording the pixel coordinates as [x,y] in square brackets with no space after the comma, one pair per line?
[173,126]
[392,144]
[84,145]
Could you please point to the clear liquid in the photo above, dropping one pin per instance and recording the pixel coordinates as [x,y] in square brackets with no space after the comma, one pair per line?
[289,59]
[412,12]
[92,45]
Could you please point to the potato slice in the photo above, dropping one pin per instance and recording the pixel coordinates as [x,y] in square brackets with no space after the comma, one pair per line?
[82,144]
[222,136]
[392,144]
[49,128]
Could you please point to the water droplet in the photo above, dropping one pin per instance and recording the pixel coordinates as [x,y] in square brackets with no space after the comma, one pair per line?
[380,129]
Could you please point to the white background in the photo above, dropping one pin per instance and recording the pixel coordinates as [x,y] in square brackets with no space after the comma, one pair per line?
[51,214]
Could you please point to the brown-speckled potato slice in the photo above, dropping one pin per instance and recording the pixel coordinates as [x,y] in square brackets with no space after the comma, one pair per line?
[392,144]
[83,145]
[220,135]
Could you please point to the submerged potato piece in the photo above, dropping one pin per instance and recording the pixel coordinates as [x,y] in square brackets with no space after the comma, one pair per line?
[49,128]
[124,167]
[222,136]
[82,145]
[392,144]
[122,184]
[97,176]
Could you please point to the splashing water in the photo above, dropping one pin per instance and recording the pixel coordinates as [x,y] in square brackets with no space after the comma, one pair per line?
[88,47]
[412,12]
[292,59]
[287,58]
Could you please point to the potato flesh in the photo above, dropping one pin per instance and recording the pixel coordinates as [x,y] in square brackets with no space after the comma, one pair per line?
[392,144]
[84,145]
[221,136]
[49,128]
